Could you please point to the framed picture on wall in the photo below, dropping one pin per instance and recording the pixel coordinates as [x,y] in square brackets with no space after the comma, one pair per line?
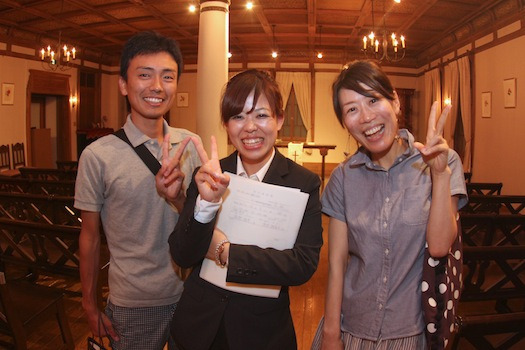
[509,91]
[8,93]
[486,104]
[182,99]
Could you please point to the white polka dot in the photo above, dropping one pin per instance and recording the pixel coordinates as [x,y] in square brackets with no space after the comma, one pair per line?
[452,286]
[451,327]
[433,262]
[456,294]
[424,286]
[454,271]
[445,314]
[432,302]
[446,342]
[442,288]
[431,328]
[457,255]
[450,304]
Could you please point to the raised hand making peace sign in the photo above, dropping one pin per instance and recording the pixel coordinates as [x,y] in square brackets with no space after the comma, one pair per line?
[168,180]
[435,150]
[210,179]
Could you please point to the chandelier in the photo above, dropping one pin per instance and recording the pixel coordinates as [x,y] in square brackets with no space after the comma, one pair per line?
[58,57]
[382,46]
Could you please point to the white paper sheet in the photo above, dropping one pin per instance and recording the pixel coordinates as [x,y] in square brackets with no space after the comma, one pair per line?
[256,213]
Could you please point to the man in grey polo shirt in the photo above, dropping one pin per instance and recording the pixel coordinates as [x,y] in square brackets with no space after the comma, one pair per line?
[137,210]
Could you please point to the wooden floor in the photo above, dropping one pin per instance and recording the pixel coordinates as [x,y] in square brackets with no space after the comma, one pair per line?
[306,304]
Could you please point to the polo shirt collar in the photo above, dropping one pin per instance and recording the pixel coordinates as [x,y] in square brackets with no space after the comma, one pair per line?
[137,137]
[361,156]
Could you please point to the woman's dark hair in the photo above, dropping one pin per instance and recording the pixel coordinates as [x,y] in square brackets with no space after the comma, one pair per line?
[361,72]
[149,42]
[241,85]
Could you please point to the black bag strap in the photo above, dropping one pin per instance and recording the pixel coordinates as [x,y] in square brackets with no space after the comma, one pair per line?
[151,162]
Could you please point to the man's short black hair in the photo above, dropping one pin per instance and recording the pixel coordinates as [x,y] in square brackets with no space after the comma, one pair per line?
[149,42]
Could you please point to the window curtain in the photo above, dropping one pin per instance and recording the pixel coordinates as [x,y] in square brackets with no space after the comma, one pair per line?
[432,93]
[466,109]
[451,90]
[302,86]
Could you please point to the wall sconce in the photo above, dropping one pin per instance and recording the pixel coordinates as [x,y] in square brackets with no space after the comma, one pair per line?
[73,101]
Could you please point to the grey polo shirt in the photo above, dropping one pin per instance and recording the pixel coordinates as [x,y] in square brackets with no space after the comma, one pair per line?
[386,213]
[114,181]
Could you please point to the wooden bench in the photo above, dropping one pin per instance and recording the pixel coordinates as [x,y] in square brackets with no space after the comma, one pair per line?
[492,229]
[45,249]
[484,188]
[493,297]
[40,246]
[49,209]
[498,204]
[67,164]
[37,186]
[48,173]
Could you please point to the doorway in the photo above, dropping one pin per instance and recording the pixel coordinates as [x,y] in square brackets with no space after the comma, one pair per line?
[44,130]
[48,119]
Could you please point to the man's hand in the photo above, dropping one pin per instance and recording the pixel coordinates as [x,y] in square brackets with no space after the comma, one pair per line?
[102,327]
[168,180]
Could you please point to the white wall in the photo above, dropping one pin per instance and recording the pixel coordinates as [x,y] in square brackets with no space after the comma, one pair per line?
[13,117]
[499,141]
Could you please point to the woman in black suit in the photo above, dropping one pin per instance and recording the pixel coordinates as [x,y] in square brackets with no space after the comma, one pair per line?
[210,317]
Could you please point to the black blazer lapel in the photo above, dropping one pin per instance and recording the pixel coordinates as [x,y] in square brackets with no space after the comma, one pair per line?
[278,169]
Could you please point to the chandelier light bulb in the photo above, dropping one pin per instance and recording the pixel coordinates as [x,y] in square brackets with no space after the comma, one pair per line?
[383,46]
[274,54]
[319,55]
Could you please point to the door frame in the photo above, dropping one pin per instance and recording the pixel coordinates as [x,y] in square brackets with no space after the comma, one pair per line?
[54,84]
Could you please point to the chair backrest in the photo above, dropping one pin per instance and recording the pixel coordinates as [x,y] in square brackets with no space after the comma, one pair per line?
[5,161]
[19,158]
[10,324]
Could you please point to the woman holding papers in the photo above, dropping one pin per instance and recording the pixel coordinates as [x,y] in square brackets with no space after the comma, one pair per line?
[384,203]
[212,315]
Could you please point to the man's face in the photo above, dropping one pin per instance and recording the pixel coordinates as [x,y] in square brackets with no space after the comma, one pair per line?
[151,84]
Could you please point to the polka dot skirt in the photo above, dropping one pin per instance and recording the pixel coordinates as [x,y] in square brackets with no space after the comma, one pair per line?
[441,287]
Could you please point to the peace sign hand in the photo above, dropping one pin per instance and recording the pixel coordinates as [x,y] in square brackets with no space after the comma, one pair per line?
[168,180]
[210,179]
[435,150]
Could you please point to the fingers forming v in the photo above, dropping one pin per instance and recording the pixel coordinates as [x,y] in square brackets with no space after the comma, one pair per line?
[200,150]
[442,119]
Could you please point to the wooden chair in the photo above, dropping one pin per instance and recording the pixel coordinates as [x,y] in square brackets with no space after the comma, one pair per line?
[19,157]
[26,306]
[5,161]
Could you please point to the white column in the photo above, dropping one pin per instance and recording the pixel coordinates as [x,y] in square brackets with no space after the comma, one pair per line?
[212,71]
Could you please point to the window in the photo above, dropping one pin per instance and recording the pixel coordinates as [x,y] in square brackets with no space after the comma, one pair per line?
[293,127]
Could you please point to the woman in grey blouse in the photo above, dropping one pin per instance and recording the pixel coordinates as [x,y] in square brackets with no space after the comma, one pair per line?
[385,202]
